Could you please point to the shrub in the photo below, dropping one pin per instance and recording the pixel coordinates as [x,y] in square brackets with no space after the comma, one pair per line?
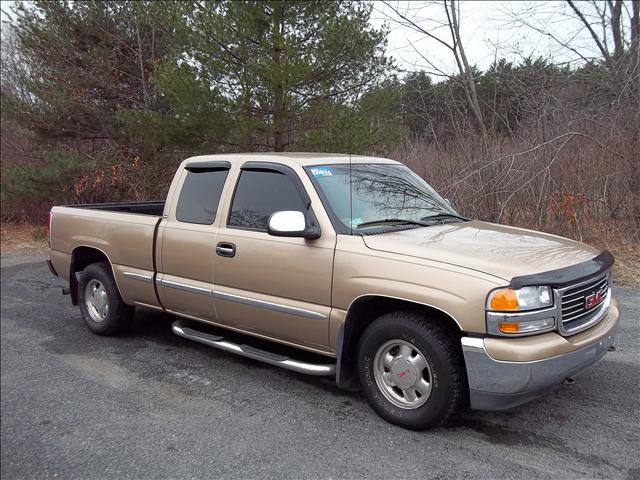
[26,189]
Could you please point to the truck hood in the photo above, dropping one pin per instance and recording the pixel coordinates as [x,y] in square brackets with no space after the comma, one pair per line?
[498,250]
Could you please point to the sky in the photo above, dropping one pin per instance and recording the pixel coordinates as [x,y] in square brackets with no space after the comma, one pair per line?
[488,29]
[5,5]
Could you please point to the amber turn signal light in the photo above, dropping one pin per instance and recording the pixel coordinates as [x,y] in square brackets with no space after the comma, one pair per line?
[509,327]
[504,299]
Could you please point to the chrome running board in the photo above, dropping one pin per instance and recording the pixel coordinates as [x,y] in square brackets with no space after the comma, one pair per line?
[179,328]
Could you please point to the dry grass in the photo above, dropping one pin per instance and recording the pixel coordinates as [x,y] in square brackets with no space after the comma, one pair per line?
[21,236]
[16,237]
[627,267]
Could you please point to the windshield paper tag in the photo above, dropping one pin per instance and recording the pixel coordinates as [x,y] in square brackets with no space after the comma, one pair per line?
[321,172]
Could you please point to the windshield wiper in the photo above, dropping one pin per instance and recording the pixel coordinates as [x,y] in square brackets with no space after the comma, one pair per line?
[442,216]
[393,221]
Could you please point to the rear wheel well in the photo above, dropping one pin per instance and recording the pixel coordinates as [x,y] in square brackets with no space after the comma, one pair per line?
[364,311]
[81,258]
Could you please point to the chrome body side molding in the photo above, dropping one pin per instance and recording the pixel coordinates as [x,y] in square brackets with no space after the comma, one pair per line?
[146,305]
[184,287]
[138,276]
[278,307]
[301,312]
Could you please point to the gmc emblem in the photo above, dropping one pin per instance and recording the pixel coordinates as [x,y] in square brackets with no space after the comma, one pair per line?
[594,299]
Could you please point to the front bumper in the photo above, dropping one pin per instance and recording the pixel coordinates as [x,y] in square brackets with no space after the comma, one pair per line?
[499,384]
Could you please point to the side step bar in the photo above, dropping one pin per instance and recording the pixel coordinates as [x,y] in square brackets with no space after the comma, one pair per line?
[179,328]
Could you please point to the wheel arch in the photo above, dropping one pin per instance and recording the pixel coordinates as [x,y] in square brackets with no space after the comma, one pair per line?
[81,257]
[363,311]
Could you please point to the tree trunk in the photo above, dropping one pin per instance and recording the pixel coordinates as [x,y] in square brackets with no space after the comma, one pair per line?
[634,48]
[635,24]
[466,72]
[279,113]
[634,174]
[469,87]
[616,29]
[143,78]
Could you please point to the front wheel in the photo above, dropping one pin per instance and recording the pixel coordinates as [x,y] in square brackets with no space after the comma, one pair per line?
[411,370]
[101,305]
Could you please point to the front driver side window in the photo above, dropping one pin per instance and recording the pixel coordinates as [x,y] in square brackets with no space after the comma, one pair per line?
[258,194]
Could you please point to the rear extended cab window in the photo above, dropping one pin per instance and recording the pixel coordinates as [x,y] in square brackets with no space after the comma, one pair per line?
[200,195]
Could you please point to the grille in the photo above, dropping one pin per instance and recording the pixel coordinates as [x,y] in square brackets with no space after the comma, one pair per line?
[575,314]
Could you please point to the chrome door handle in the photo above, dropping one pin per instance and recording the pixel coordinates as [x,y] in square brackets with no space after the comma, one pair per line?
[225,249]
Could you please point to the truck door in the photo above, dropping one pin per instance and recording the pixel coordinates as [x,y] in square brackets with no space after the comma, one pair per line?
[277,287]
[187,241]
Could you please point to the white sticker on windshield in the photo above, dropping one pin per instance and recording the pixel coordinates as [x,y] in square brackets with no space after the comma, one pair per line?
[321,172]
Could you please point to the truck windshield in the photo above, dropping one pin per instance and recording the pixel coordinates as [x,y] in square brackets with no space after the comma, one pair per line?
[381,194]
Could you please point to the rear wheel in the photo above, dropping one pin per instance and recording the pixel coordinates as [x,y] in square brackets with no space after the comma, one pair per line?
[411,370]
[101,305]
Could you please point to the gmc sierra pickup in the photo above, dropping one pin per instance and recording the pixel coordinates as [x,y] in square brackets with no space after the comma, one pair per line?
[355,259]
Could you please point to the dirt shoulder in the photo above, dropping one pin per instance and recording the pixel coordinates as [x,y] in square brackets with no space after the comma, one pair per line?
[22,238]
[627,267]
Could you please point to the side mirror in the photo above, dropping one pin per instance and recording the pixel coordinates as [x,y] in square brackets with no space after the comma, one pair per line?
[291,223]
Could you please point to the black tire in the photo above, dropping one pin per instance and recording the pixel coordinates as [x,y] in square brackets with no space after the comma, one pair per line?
[438,346]
[119,314]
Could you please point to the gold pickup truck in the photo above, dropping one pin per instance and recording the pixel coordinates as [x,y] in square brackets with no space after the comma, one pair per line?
[355,268]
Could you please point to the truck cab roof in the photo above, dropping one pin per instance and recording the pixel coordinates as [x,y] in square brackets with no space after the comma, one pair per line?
[288,158]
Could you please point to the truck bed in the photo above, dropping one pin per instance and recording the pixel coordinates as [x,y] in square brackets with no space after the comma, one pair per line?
[125,233]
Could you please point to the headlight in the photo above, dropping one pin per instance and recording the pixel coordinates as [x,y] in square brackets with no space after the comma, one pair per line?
[525,298]
[524,311]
